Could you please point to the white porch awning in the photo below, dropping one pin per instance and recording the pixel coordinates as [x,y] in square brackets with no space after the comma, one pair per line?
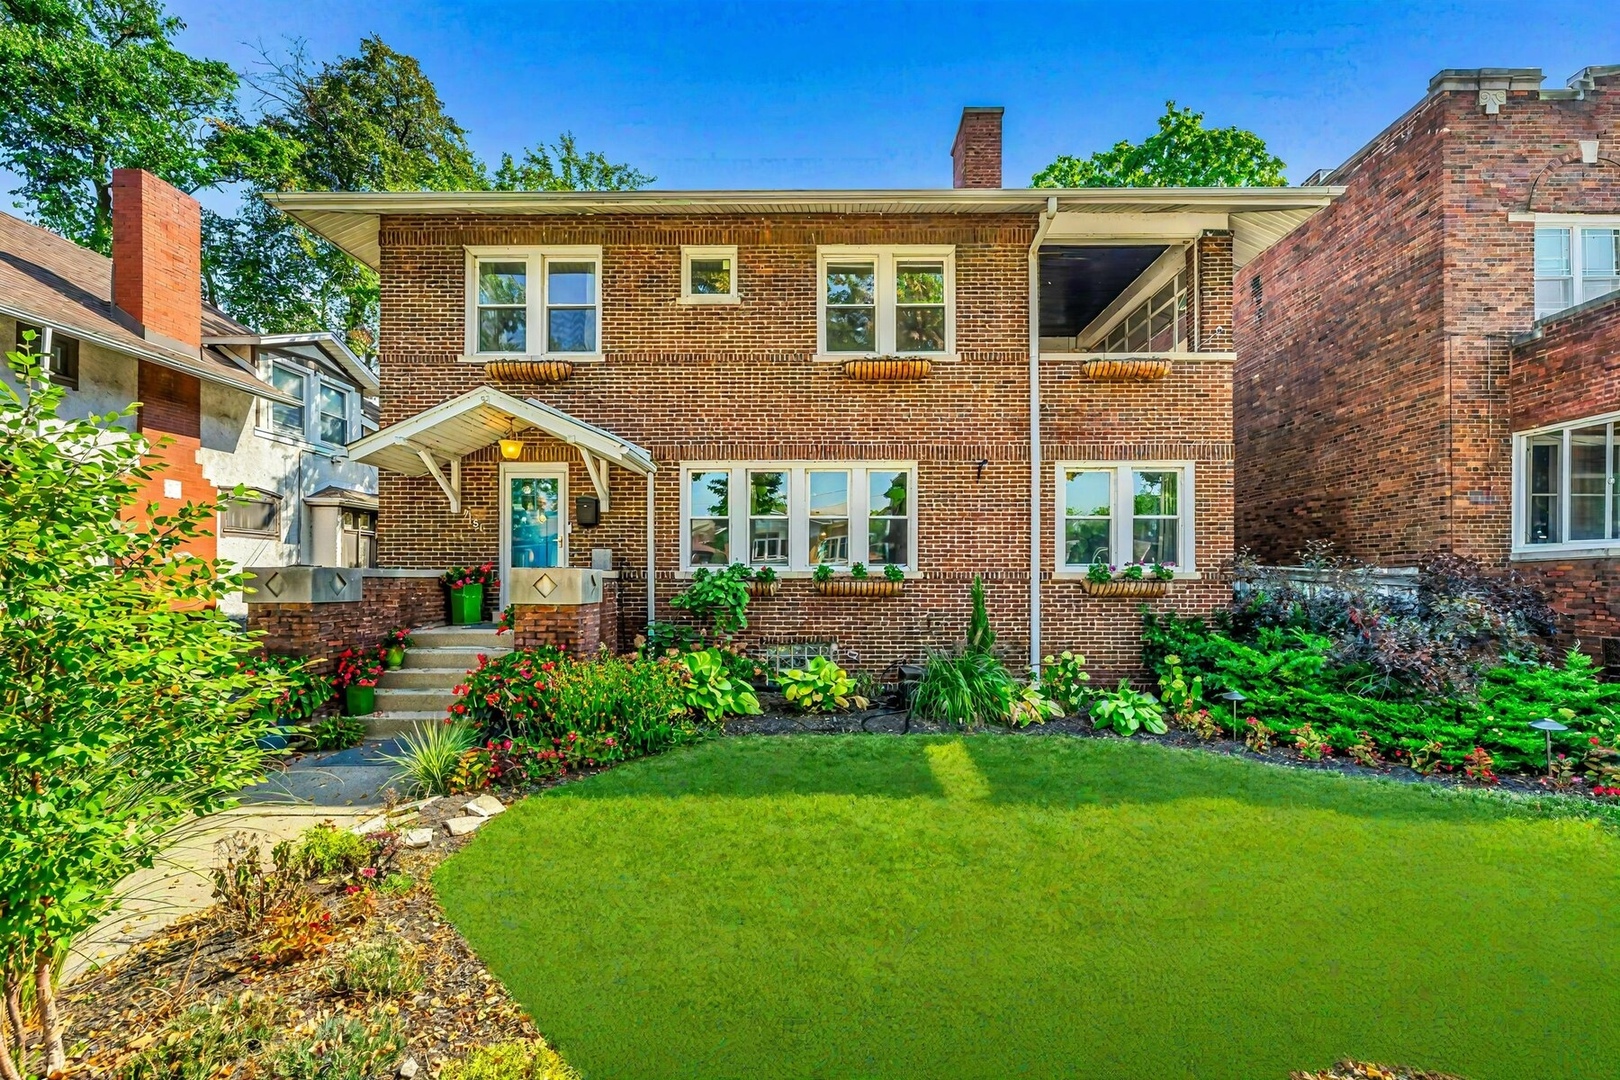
[433,442]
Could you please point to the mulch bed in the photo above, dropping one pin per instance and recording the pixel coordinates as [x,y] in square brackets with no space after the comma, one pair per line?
[115,1012]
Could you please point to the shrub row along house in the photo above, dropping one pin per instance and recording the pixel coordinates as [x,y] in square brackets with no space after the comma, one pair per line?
[1434,361]
[605,392]
[269,412]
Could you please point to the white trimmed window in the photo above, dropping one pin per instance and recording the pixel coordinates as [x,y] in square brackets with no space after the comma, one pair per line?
[1119,513]
[797,515]
[709,275]
[886,301]
[287,419]
[1564,484]
[1576,261]
[534,301]
[333,421]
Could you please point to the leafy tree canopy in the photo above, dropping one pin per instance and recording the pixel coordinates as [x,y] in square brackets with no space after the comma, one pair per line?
[1182,153]
[90,85]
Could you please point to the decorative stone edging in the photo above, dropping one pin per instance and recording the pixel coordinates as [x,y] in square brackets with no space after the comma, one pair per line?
[888,369]
[1126,369]
[860,587]
[528,371]
[1147,588]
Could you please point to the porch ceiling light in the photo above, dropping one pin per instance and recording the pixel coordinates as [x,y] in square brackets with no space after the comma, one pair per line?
[511,448]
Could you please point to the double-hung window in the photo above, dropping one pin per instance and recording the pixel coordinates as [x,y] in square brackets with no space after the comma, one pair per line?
[1122,513]
[58,353]
[334,415]
[287,419]
[534,302]
[796,516]
[1576,261]
[886,301]
[1565,480]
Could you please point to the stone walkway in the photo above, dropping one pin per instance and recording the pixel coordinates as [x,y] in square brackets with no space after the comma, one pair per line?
[341,778]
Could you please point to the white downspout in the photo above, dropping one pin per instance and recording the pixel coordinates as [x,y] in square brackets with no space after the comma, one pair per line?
[652,563]
[1035,436]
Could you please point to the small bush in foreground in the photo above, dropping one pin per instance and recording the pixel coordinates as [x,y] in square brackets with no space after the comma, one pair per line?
[821,686]
[1127,711]
[432,755]
[385,966]
[711,692]
[967,690]
[244,889]
[325,850]
[1065,680]
[522,1059]
[205,1041]
[333,733]
[343,1048]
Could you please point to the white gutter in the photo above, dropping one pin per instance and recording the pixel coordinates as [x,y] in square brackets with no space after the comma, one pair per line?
[1035,437]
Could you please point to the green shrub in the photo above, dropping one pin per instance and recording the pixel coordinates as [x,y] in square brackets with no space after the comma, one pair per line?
[980,637]
[385,966]
[343,1048]
[967,689]
[509,692]
[206,1041]
[432,756]
[711,691]
[325,850]
[718,598]
[305,691]
[1127,711]
[1065,680]
[625,707]
[333,733]
[521,1059]
[821,686]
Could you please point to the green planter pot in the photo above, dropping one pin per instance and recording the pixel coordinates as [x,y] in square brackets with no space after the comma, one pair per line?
[393,657]
[466,605]
[359,700]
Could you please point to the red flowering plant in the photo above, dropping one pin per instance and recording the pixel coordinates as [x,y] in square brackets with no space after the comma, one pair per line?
[358,667]
[507,621]
[397,638]
[305,691]
[459,577]
[508,695]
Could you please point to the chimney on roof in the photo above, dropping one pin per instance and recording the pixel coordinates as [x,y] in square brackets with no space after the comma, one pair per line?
[157,257]
[976,154]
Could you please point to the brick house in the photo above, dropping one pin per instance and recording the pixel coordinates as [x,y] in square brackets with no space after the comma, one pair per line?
[1429,363]
[610,390]
[268,412]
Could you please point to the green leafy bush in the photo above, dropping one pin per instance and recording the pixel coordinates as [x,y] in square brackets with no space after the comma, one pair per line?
[334,733]
[711,691]
[718,598]
[304,691]
[521,1059]
[821,686]
[385,966]
[324,850]
[1127,711]
[966,689]
[1066,681]
[431,756]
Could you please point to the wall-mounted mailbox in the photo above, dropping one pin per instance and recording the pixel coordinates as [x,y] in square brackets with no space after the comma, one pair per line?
[587,511]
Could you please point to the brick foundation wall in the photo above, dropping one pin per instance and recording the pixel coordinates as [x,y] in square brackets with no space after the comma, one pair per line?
[1373,356]
[324,630]
[576,629]
[739,382]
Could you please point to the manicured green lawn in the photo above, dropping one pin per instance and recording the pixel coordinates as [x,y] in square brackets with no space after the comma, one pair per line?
[1004,907]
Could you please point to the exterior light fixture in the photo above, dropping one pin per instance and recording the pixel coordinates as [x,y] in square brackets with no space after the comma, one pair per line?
[1236,699]
[511,448]
[1548,725]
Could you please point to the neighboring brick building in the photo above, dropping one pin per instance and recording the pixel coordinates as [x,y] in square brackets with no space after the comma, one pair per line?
[1382,371]
[703,350]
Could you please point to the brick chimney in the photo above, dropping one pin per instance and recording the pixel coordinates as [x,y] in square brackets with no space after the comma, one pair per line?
[976,154]
[157,257]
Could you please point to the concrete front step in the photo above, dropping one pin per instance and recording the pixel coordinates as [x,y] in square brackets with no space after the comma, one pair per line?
[388,724]
[415,699]
[462,659]
[422,678]
[461,637]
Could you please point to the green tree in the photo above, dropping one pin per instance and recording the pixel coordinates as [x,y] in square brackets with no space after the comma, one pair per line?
[90,85]
[564,167]
[125,703]
[1182,153]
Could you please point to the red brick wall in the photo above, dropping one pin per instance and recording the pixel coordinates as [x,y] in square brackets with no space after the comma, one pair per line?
[324,630]
[739,383]
[1372,405]
[157,255]
[171,415]
[976,153]
[577,629]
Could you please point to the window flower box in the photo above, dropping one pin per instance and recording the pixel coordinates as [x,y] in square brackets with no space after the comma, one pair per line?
[1146,589]
[528,371]
[760,590]
[860,587]
[1126,369]
[888,368]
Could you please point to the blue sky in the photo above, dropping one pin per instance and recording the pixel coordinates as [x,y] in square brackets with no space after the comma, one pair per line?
[762,95]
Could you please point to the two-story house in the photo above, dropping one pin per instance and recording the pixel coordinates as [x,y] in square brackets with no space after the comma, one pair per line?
[965,381]
[271,412]
[1433,363]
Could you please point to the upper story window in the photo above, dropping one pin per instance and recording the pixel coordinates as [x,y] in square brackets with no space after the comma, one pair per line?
[334,414]
[880,301]
[287,419]
[1122,513]
[256,514]
[58,353]
[1564,483]
[1575,263]
[327,412]
[1157,324]
[533,301]
[709,275]
[798,516]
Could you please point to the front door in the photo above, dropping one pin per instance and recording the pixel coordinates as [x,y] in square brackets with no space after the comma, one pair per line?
[534,525]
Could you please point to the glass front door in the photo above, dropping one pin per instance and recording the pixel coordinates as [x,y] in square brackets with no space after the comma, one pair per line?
[532,514]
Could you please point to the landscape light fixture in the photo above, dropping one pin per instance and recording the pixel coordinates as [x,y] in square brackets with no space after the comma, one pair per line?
[1236,699]
[511,448]
[1548,725]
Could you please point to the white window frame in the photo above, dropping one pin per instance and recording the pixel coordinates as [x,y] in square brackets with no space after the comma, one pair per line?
[712,251]
[267,413]
[1571,224]
[1123,512]
[799,563]
[884,260]
[1520,547]
[535,260]
[323,383]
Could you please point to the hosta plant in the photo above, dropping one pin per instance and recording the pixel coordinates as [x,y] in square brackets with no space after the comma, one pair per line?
[1030,706]
[822,686]
[710,689]
[1126,711]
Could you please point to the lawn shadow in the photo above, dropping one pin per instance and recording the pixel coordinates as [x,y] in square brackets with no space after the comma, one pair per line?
[1060,773]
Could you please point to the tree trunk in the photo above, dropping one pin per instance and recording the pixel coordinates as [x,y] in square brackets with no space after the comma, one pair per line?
[50,1029]
[12,1066]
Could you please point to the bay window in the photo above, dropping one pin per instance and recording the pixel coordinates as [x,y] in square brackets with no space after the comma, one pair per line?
[1564,482]
[1122,513]
[797,516]
[533,301]
[883,301]
[1576,261]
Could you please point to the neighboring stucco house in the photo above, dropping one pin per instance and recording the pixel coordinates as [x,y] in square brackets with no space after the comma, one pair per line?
[271,412]
[653,382]
[1431,363]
